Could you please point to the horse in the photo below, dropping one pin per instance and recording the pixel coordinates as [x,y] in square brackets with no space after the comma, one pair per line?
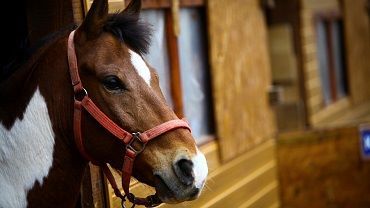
[48,132]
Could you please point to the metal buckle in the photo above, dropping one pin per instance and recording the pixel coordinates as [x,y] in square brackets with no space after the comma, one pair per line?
[124,200]
[79,95]
[136,144]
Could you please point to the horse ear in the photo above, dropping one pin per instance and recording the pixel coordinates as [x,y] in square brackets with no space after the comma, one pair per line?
[133,8]
[95,18]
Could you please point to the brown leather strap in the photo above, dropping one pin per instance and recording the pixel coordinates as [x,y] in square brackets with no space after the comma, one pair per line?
[130,141]
[77,130]
[163,128]
[73,67]
[127,169]
[111,180]
[106,122]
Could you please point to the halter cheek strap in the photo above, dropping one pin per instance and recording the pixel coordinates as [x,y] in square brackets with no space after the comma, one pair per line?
[134,143]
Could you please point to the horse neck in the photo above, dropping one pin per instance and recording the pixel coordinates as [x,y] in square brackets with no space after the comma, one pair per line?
[46,79]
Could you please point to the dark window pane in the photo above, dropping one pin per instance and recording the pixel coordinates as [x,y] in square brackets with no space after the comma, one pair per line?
[322,53]
[158,55]
[338,46]
[194,72]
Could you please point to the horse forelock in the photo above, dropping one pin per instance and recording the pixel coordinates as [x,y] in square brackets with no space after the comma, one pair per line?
[129,29]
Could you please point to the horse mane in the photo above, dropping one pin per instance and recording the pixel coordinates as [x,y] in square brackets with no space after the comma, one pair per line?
[128,28]
[30,55]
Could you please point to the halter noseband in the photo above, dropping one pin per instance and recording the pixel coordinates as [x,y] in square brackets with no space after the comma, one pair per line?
[134,142]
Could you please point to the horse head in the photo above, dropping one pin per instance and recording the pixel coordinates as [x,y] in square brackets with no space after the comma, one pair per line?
[109,51]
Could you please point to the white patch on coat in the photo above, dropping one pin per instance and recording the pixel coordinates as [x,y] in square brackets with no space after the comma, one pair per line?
[26,153]
[140,66]
[200,169]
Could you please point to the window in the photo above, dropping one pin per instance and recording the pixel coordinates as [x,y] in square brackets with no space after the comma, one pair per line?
[158,53]
[182,64]
[194,72]
[330,51]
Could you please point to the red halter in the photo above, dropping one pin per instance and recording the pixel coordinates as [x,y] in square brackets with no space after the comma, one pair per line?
[134,142]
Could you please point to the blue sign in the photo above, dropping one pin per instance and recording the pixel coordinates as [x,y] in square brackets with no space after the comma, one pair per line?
[365,141]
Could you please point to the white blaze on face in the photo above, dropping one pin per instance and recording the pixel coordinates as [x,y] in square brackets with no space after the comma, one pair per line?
[140,66]
[200,169]
[26,153]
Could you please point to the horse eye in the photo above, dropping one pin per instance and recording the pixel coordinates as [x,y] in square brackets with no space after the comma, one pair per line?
[113,83]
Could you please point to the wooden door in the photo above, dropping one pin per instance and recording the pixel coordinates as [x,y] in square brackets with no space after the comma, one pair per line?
[240,70]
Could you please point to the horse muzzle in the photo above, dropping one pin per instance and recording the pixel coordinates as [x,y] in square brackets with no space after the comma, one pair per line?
[184,181]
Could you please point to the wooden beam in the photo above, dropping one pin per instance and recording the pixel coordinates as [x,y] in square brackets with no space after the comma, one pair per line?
[157,4]
[174,59]
[115,6]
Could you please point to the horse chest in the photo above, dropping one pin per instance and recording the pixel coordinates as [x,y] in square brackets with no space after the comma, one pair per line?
[26,153]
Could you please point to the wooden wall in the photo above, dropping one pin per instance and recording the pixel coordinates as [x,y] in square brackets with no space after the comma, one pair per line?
[357,35]
[357,51]
[78,11]
[247,181]
[323,169]
[240,71]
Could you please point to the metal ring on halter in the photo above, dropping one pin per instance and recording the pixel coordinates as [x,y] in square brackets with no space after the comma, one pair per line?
[131,198]
[124,206]
[79,95]
[136,144]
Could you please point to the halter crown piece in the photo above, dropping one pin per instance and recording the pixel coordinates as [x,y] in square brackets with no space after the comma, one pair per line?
[134,143]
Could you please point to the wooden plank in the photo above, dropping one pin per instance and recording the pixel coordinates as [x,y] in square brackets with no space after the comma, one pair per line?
[118,5]
[312,136]
[324,170]
[357,42]
[97,186]
[348,117]
[78,11]
[315,100]
[324,115]
[250,187]
[320,5]
[240,73]
[267,197]
[156,4]
[174,61]
[275,205]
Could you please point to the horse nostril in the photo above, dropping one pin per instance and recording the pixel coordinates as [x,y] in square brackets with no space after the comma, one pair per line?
[184,170]
[194,192]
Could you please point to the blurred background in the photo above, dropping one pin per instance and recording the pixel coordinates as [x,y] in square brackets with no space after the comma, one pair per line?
[277,93]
